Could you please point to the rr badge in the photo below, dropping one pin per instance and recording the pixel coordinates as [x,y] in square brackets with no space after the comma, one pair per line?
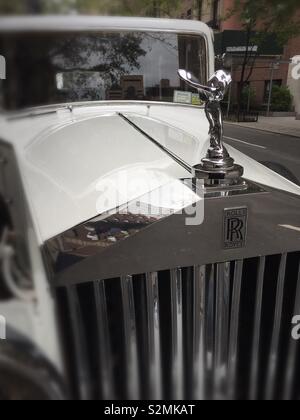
[235,227]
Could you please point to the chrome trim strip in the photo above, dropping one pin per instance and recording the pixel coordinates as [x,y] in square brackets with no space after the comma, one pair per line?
[105,360]
[70,106]
[172,155]
[177,335]
[130,332]
[153,330]
[257,326]
[199,322]
[234,328]
[210,329]
[292,353]
[221,329]
[83,374]
[273,359]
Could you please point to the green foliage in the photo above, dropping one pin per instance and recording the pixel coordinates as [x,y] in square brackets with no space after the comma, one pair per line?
[281,99]
[128,7]
[8,7]
[266,17]
[271,16]
[248,97]
[95,7]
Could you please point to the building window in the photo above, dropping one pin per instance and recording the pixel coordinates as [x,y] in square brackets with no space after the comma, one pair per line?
[267,88]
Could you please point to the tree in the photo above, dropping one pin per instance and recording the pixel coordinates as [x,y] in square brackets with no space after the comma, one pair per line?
[265,16]
[248,97]
[199,7]
[8,7]
[282,99]
[156,8]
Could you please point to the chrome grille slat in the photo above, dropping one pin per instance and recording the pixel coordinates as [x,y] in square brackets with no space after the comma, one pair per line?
[210,330]
[222,329]
[199,307]
[234,328]
[177,335]
[292,354]
[83,373]
[130,333]
[273,358]
[106,390]
[257,331]
[216,331]
[153,330]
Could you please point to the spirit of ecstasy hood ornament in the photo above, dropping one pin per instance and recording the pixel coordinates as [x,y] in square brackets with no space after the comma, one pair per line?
[217,166]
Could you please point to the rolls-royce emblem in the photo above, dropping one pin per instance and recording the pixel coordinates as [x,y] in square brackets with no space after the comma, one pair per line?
[235,227]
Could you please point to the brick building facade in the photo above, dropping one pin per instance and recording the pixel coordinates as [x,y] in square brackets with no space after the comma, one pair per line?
[213,12]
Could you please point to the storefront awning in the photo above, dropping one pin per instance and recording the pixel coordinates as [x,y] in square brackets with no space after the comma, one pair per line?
[234,42]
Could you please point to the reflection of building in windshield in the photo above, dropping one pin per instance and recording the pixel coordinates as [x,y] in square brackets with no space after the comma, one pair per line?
[154,77]
[162,91]
[132,88]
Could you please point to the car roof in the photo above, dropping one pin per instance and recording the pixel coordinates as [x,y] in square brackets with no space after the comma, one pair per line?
[96,23]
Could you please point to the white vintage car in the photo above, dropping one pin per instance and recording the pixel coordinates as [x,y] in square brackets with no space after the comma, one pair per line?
[140,258]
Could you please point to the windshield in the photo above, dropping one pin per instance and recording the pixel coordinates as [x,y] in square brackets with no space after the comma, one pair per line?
[45,69]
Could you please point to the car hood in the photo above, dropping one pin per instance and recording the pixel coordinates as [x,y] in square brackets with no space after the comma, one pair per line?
[83,163]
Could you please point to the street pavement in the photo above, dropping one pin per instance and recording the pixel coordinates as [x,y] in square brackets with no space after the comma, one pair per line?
[277,151]
[282,125]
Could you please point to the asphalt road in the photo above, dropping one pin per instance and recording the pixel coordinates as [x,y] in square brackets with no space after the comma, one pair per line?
[279,152]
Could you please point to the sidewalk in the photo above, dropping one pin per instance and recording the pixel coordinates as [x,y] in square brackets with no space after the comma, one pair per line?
[280,125]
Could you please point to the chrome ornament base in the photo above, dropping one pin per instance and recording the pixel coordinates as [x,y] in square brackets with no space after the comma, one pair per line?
[219,176]
[219,169]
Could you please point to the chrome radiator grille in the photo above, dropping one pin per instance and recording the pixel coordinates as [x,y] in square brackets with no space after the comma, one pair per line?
[220,331]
